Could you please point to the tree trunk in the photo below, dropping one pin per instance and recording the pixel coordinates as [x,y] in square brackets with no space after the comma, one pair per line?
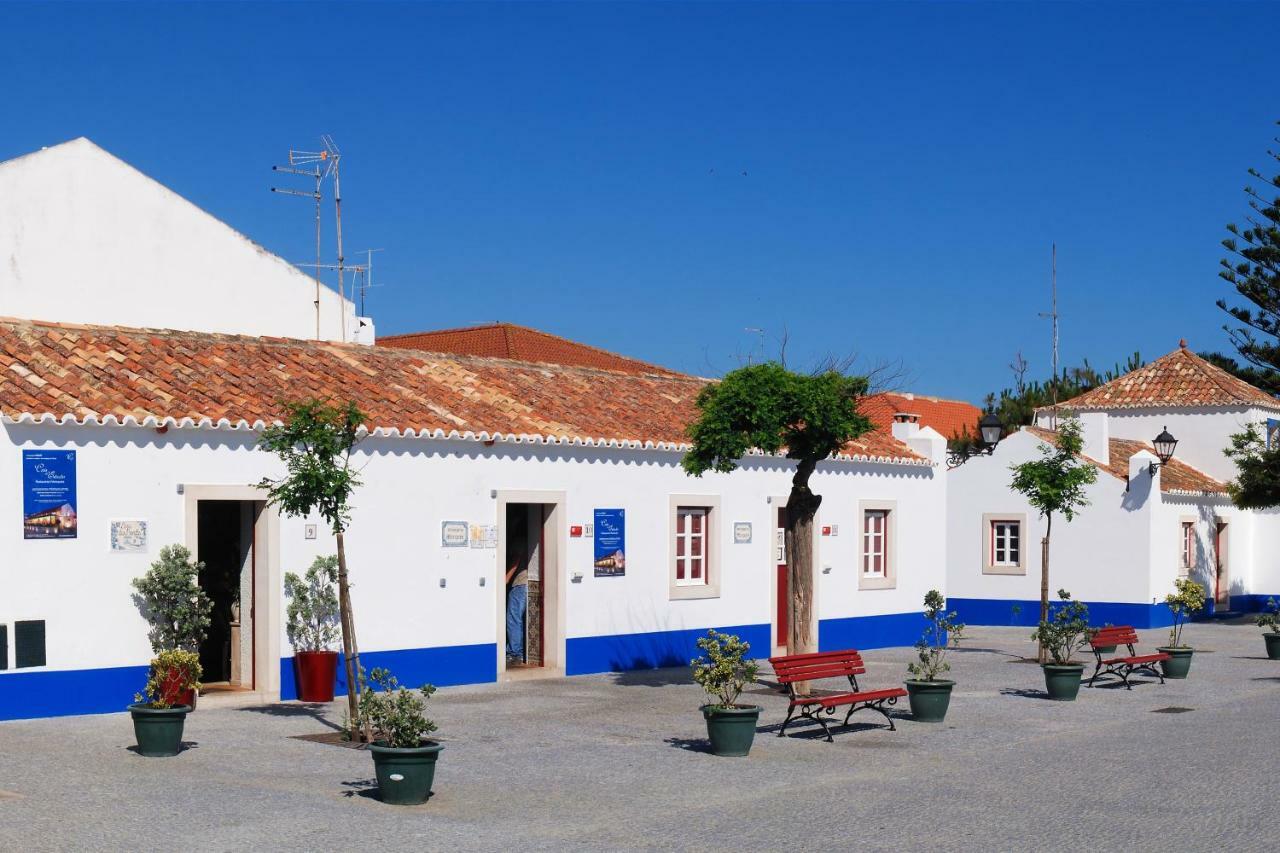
[350,651]
[802,507]
[1044,583]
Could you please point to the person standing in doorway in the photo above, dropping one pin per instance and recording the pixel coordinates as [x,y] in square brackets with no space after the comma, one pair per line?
[517,602]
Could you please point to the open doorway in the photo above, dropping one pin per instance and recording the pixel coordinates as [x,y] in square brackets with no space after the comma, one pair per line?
[1221,577]
[530,593]
[225,545]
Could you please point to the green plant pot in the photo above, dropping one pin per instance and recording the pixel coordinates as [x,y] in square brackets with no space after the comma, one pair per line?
[405,774]
[1272,639]
[731,730]
[1062,680]
[1107,650]
[158,730]
[929,699]
[1179,662]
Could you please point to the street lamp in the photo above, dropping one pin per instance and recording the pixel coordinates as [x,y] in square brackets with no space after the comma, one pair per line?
[991,430]
[1164,444]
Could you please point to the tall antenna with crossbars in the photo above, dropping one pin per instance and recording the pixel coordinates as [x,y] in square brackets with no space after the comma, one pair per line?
[1053,315]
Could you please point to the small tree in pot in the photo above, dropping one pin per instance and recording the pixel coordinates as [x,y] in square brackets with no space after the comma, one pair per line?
[1270,618]
[313,626]
[928,694]
[723,671]
[159,715]
[172,602]
[404,761]
[1187,598]
[1064,633]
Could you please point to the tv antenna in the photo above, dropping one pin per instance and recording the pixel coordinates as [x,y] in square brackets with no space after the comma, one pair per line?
[1053,315]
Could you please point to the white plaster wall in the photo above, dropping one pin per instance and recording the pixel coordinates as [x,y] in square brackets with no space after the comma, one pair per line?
[1264,567]
[396,559]
[86,238]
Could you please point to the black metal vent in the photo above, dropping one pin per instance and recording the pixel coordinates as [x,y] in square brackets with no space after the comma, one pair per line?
[4,646]
[28,643]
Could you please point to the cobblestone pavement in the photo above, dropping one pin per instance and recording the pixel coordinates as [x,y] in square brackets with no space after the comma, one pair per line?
[618,761]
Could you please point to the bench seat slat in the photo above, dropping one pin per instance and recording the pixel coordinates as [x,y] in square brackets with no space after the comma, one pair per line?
[1137,660]
[850,698]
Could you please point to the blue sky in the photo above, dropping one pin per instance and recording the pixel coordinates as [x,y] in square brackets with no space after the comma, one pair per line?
[580,167]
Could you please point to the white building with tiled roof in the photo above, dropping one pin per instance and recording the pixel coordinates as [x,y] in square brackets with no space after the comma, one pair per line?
[1142,528]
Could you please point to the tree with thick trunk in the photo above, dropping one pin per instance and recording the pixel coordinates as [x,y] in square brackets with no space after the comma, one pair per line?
[765,408]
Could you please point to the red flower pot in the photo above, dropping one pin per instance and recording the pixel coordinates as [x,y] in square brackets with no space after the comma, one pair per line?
[316,673]
[172,693]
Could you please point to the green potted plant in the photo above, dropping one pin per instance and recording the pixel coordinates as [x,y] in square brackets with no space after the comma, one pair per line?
[312,626]
[1187,598]
[1106,650]
[928,694]
[177,609]
[1270,618]
[722,671]
[1064,633]
[159,716]
[403,759]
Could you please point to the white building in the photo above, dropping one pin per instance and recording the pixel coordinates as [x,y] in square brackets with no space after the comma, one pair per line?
[118,440]
[1141,530]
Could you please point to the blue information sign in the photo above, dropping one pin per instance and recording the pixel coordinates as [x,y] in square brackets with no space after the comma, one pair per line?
[48,494]
[611,543]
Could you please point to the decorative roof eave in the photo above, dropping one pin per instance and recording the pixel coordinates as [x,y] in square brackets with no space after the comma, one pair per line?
[1186,493]
[1101,407]
[154,422]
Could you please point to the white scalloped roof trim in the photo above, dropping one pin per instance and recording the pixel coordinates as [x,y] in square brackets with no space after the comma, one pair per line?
[153,422]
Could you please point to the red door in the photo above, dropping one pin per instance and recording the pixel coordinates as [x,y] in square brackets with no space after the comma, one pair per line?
[784,603]
[1221,586]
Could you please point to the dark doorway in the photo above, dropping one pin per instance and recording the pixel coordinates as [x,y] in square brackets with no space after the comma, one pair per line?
[526,566]
[225,547]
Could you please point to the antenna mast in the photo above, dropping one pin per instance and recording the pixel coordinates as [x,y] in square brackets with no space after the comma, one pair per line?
[294,161]
[1053,315]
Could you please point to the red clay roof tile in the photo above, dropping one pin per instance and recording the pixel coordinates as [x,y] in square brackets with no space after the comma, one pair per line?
[1175,475]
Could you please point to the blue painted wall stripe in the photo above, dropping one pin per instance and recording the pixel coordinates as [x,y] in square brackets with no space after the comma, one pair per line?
[443,666]
[870,632]
[60,693]
[651,650]
[998,611]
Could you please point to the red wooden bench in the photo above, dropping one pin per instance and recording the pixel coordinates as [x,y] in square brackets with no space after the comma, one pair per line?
[791,669]
[1125,665]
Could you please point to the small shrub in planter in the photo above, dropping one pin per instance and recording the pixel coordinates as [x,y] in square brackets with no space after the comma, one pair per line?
[723,671]
[313,627]
[1106,650]
[1270,619]
[403,759]
[174,605]
[929,694]
[1064,633]
[1187,598]
[159,716]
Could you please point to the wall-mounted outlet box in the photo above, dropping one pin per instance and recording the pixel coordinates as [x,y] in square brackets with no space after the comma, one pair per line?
[442,583]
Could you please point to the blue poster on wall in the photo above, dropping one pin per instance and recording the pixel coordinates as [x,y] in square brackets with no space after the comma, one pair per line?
[48,494]
[611,543]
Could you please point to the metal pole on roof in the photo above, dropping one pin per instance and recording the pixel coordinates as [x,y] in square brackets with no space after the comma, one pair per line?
[1053,315]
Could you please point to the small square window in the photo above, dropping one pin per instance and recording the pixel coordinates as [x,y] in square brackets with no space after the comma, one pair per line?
[1006,543]
[691,545]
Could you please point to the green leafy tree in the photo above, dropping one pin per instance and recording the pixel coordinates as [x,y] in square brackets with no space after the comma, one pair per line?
[724,669]
[313,618]
[1257,481]
[315,443]
[1063,633]
[1186,599]
[1055,484]
[1253,269]
[808,418]
[395,715]
[171,600]
[942,633]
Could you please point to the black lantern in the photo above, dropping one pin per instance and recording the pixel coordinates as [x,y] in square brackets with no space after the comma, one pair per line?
[1164,444]
[991,429]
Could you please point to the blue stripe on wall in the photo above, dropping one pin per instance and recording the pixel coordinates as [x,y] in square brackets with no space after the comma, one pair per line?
[998,611]
[619,652]
[59,693]
[442,666]
[1251,603]
[870,632]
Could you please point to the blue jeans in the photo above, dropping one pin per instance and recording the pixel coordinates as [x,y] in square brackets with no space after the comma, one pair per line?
[517,603]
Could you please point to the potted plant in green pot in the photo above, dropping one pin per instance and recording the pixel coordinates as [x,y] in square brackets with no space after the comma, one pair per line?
[1270,618]
[1187,598]
[1064,633]
[313,627]
[403,759]
[159,716]
[177,609]
[928,694]
[723,671]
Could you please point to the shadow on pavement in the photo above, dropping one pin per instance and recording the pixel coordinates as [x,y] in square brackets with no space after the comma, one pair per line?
[186,744]
[314,711]
[653,677]
[1024,693]
[690,744]
[367,788]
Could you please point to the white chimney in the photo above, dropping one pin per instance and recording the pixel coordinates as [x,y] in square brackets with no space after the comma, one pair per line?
[905,425]
[1096,433]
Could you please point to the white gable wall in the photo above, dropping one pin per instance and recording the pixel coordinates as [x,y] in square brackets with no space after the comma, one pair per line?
[86,238]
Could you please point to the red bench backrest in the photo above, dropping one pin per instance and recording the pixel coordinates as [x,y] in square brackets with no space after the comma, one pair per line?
[810,667]
[1115,635]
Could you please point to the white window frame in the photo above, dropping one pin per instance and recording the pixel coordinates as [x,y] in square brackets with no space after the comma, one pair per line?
[689,539]
[888,542]
[987,543]
[709,586]
[1187,560]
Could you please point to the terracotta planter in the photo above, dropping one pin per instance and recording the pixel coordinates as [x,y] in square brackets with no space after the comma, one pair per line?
[316,673]
[174,694]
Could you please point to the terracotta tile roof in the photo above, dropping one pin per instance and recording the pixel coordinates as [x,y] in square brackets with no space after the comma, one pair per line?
[114,375]
[1176,477]
[949,417]
[1178,380]
[520,343]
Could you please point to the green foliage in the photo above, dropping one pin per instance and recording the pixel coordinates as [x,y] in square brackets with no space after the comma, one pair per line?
[1187,598]
[1254,271]
[1270,618]
[396,714]
[769,408]
[1016,406]
[942,633]
[1066,631]
[313,621]
[172,672]
[723,670]
[172,601]
[1257,482]
[315,443]
[1055,483]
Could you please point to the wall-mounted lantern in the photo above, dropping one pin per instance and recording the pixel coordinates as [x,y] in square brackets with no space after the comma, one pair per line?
[1165,445]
